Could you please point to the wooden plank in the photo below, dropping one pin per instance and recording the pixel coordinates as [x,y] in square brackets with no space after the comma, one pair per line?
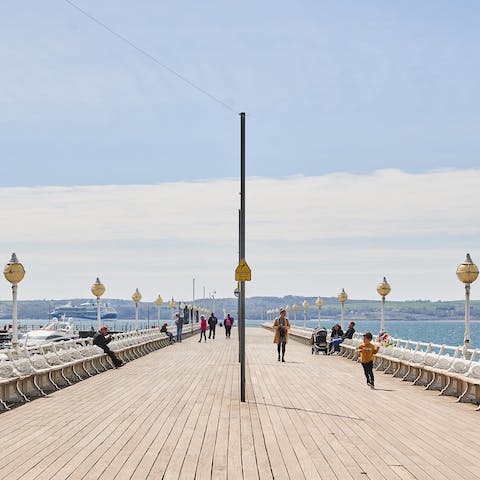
[177,424]
[205,461]
[220,455]
[176,413]
[261,458]
[189,446]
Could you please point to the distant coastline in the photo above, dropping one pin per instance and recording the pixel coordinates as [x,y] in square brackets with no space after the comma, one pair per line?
[257,307]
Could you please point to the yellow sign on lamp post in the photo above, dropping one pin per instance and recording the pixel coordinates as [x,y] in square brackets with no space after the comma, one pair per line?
[243,272]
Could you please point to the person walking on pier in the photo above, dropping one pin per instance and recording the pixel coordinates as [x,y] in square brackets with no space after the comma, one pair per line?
[367,351]
[179,324]
[100,339]
[228,322]
[212,323]
[203,328]
[281,326]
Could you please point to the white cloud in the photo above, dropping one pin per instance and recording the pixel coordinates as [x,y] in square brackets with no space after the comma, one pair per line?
[305,235]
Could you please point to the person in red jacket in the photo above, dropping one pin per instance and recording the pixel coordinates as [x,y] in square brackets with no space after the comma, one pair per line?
[203,328]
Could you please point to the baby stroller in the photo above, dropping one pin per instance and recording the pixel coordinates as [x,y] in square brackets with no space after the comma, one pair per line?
[319,341]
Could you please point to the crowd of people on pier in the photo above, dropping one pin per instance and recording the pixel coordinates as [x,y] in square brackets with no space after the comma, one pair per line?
[210,325]
[281,327]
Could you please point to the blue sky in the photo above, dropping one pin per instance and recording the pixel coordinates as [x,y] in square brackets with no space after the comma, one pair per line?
[328,86]
[333,90]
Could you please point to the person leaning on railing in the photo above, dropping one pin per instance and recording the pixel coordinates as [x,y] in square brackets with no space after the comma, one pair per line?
[179,324]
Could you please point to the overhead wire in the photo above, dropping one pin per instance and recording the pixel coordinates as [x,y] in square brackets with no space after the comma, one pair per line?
[151,57]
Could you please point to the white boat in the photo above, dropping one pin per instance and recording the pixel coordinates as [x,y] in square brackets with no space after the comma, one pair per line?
[54,331]
[86,311]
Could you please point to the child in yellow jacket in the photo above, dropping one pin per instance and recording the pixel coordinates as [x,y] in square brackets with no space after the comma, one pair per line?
[367,351]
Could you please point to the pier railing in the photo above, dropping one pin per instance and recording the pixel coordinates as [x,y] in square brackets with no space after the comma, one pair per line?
[451,370]
[30,372]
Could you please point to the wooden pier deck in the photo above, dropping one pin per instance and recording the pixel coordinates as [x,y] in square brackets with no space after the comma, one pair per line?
[176,413]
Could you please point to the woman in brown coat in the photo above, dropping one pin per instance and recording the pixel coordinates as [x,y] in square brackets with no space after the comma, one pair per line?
[281,326]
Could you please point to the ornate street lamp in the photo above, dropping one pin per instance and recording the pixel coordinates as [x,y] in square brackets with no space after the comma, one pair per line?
[383,289]
[467,272]
[158,303]
[98,289]
[342,298]
[181,310]
[319,304]
[294,308]
[14,273]
[172,305]
[305,306]
[212,296]
[136,297]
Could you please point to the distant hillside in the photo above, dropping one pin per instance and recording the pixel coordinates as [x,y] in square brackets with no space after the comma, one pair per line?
[256,308]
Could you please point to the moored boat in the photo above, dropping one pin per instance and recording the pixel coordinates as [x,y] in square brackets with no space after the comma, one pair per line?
[54,331]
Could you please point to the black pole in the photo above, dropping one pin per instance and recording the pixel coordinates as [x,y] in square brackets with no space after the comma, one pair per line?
[241,322]
[238,286]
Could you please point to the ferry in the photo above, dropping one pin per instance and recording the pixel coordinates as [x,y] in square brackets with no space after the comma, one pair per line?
[85,311]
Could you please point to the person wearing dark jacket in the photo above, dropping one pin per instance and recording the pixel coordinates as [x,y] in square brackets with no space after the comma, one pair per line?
[100,339]
[228,323]
[164,329]
[350,331]
[179,324]
[335,339]
[212,323]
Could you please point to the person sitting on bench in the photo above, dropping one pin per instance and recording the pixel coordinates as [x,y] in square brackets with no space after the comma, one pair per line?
[100,339]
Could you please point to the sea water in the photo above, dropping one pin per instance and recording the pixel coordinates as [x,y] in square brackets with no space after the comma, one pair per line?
[438,332]
[441,333]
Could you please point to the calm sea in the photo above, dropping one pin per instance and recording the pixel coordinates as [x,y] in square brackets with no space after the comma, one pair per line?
[442,333]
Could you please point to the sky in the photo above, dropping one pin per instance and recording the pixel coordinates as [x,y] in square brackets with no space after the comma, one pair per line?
[119,146]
